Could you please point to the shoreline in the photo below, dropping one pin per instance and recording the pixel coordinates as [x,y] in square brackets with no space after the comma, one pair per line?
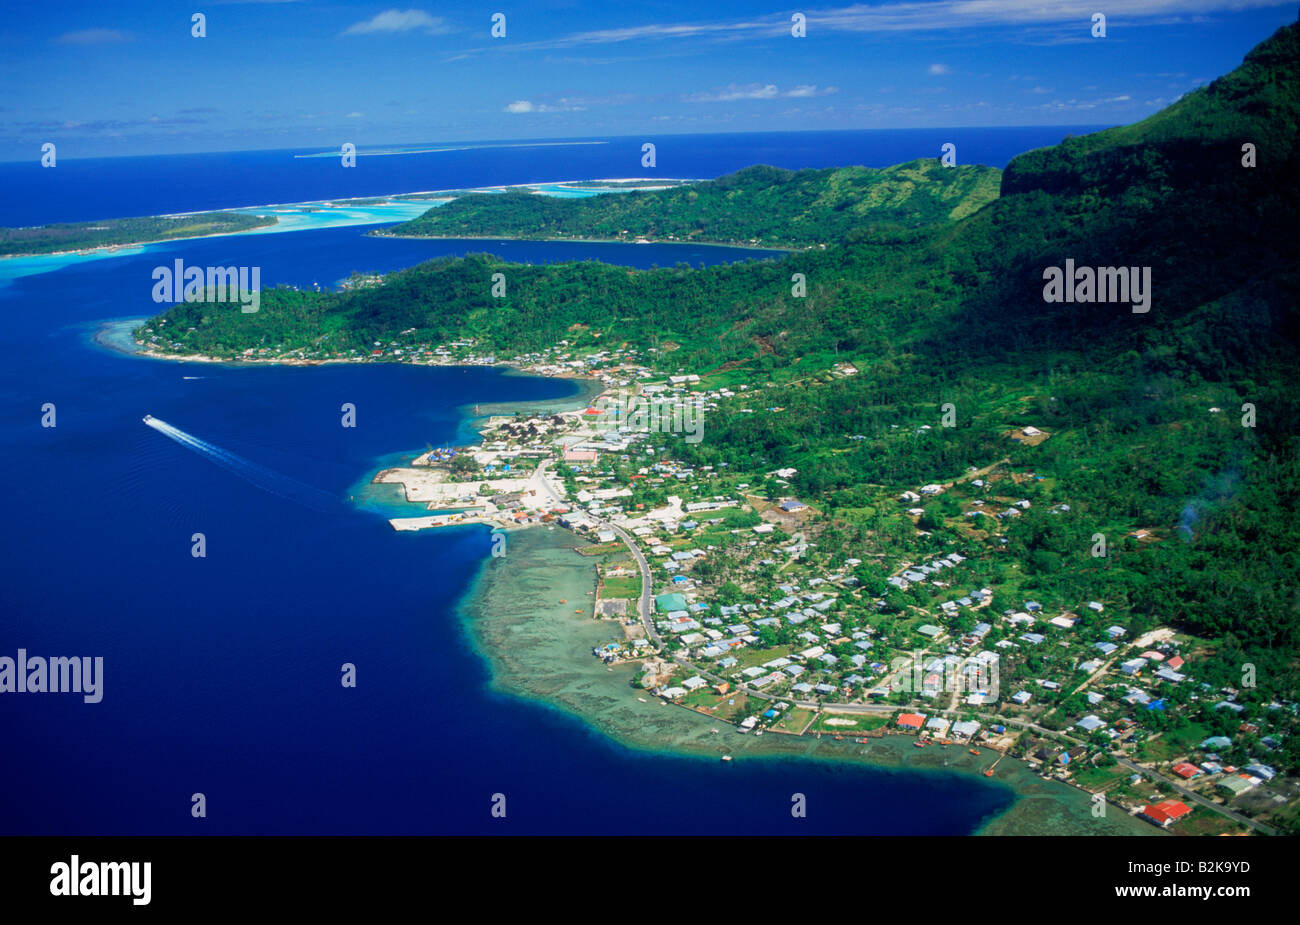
[783,249]
[537,650]
[426,192]
[106,330]
[108,249]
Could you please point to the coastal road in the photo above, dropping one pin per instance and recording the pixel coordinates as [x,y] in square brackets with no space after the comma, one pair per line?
[644,605]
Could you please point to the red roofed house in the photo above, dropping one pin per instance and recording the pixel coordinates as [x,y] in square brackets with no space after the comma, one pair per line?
[1176,662]
[579,455]
[1187,770]
[912,720]
[1162,814]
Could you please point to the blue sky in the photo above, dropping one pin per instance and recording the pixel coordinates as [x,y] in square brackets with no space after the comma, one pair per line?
[127,78]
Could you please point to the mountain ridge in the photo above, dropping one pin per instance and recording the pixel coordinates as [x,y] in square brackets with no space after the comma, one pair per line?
[757,204]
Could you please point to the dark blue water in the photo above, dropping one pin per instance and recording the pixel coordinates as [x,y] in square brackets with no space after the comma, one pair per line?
[326,257]
[222,673]
[87,189]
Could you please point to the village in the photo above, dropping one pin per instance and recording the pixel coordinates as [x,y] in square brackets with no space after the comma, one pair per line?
[714,583]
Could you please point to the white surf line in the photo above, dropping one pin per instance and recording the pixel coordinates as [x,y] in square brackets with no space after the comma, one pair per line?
[266,479]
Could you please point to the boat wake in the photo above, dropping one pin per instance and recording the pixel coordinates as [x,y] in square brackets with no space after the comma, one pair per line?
[266,479]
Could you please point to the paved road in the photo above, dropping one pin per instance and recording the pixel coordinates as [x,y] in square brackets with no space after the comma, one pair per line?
[645,604]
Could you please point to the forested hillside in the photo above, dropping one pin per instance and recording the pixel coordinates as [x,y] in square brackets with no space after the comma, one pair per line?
[761,204]
[67,236]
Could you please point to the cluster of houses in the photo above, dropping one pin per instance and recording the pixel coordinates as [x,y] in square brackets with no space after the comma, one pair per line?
[926,571]
[827,646]
[943,728]
[833,653]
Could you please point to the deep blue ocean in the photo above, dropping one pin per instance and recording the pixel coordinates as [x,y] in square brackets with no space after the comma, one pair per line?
[221,673]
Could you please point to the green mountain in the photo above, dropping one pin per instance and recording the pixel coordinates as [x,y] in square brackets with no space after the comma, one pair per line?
[69,236]
[1169,192]
[762,205]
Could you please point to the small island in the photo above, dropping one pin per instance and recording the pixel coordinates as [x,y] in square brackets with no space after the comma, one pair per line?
[73,237]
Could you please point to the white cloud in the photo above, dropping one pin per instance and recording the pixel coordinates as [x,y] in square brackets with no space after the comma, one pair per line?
[563,105]
[733,92]
[93,37]
[400,21]
[805,90]
[910,16]
[1077,104]
[755,91]
[957,14]
[937,69]
[659,31]
[582,102]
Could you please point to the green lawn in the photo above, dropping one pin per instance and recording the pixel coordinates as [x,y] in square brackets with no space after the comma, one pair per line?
[747,658]
[793,720]
[1175,743]
[1204,822]
[1095,779]
[626,586]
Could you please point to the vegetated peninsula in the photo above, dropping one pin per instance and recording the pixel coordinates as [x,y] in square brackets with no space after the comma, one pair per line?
[922,450]
[716,313]
[123,232]
[758,205]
